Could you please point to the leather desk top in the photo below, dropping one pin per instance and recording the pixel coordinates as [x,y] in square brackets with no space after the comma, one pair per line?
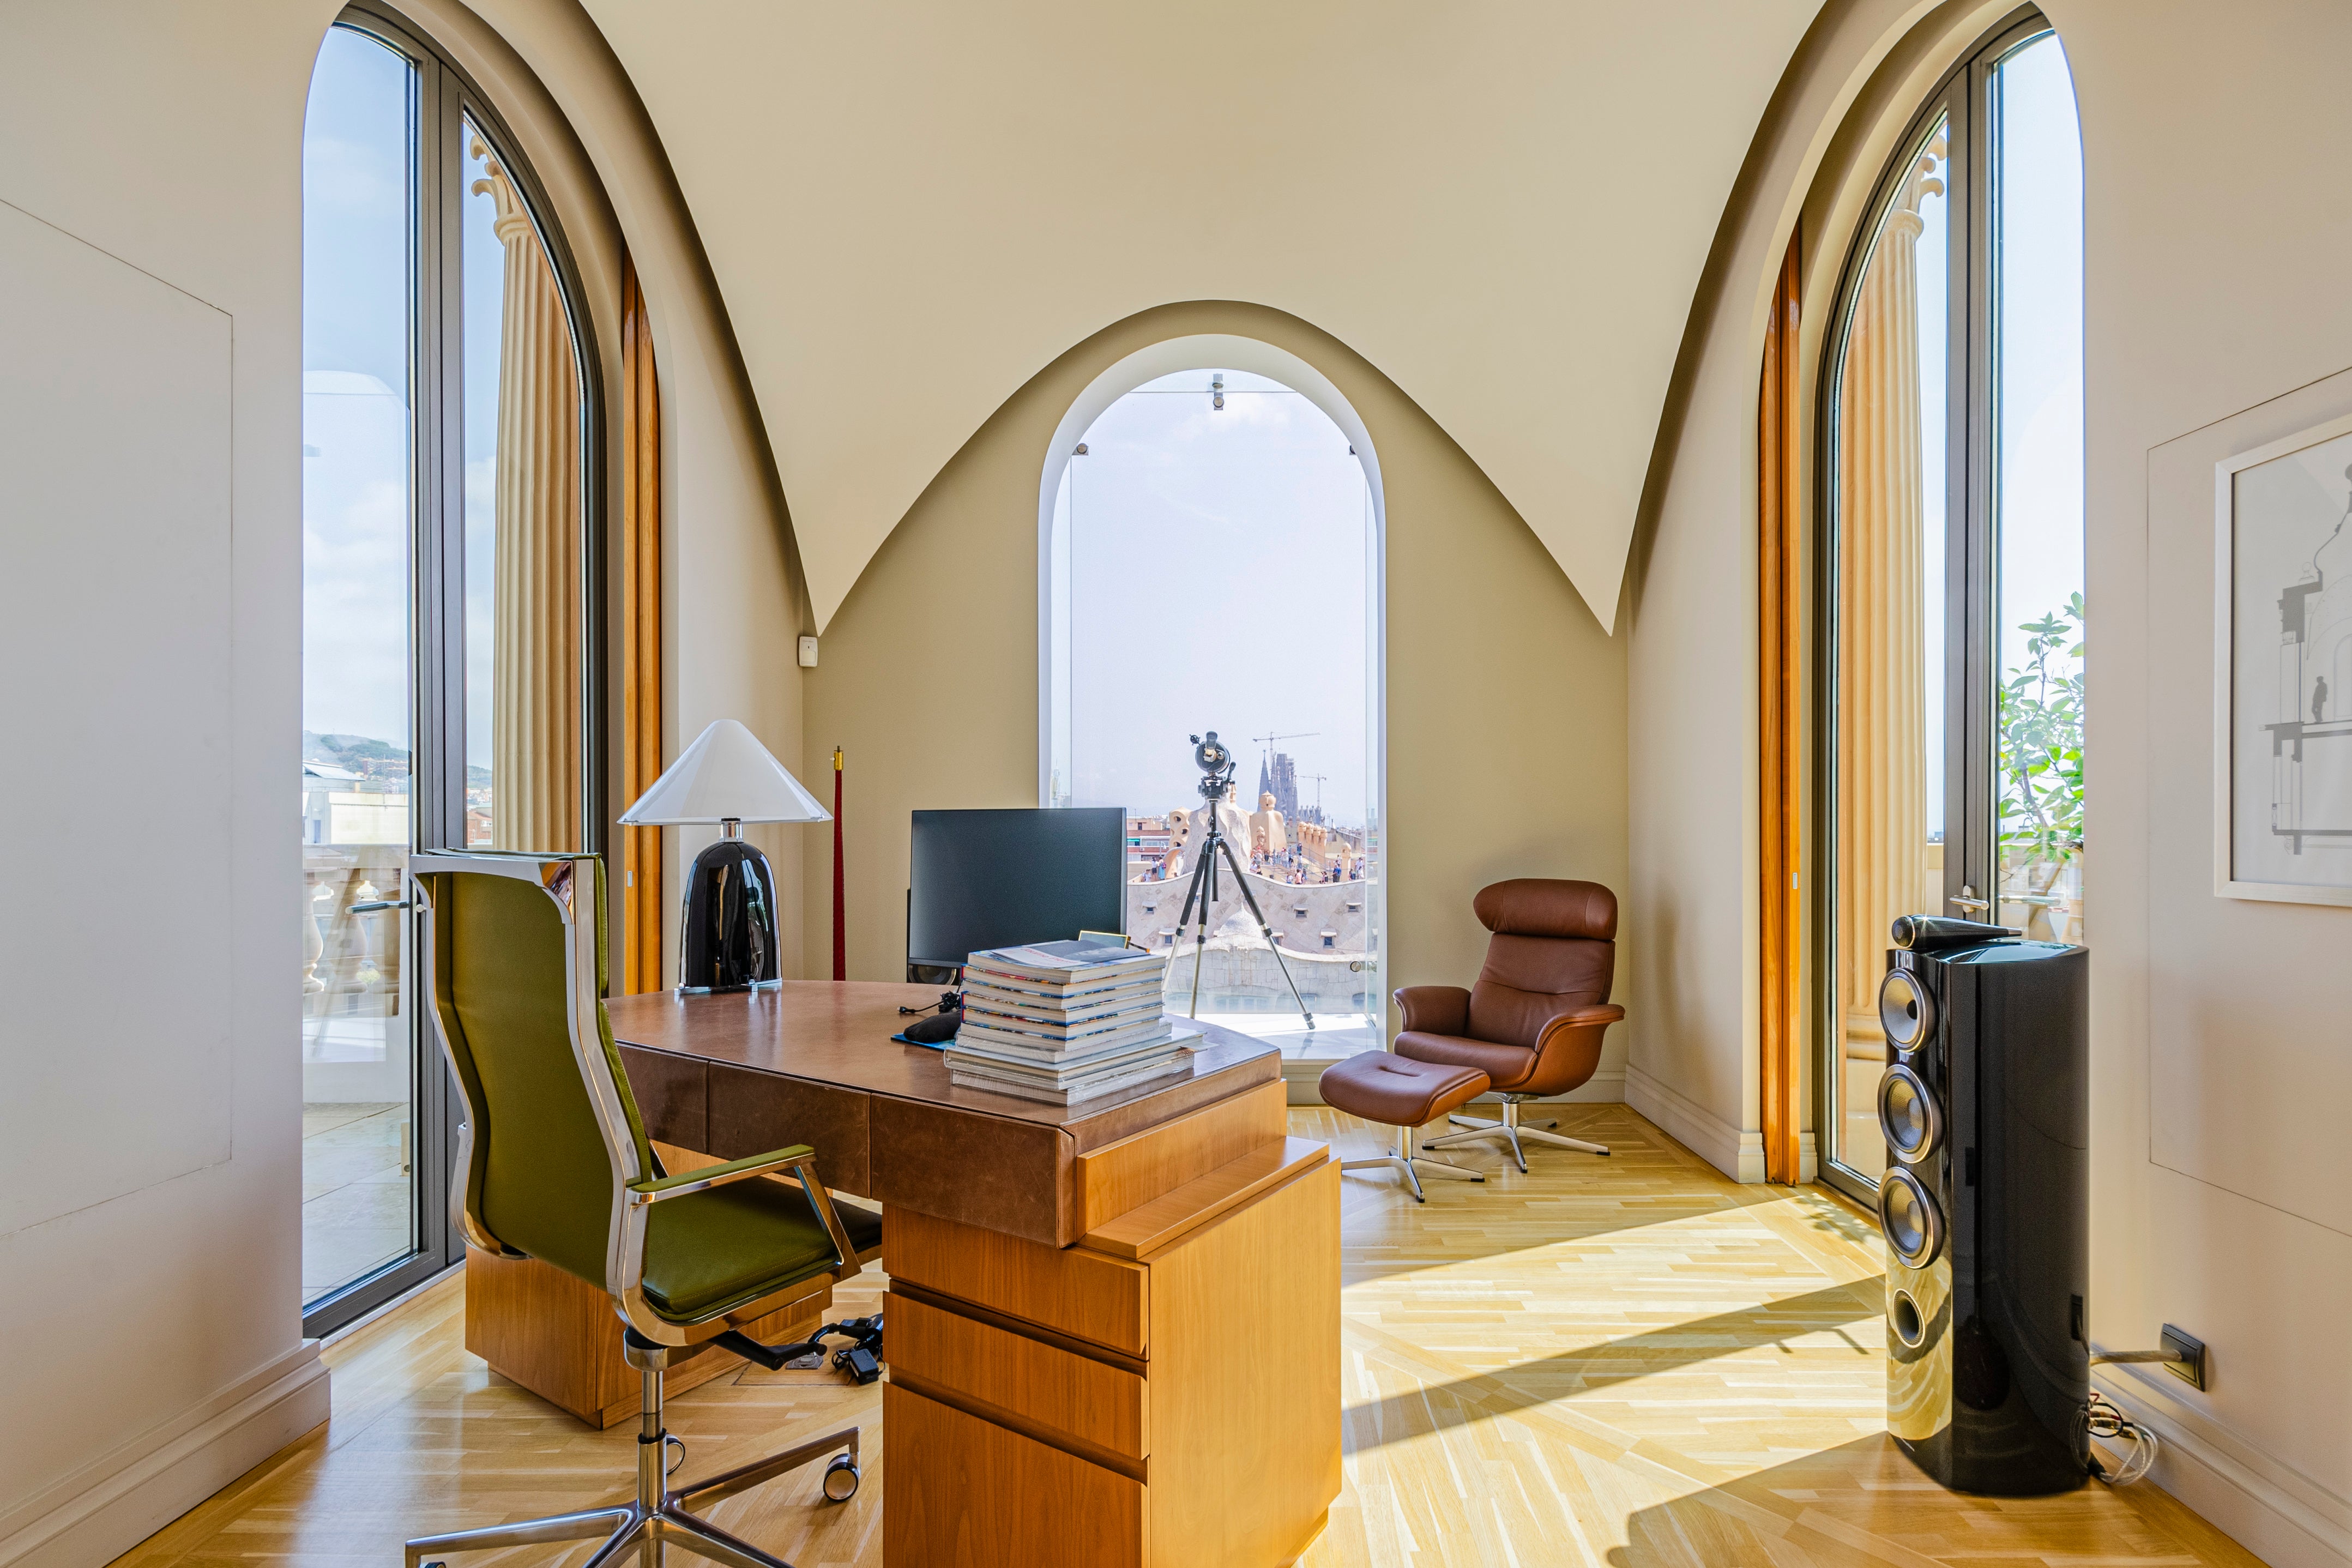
[812,1061]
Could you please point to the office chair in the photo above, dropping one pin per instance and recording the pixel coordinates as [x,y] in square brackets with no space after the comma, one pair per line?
[553,1163]
[1534,1020]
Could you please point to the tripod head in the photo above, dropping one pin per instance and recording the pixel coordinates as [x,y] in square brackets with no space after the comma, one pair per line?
[1216,765]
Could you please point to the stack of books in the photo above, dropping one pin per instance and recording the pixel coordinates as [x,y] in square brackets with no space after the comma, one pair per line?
[1065,1022]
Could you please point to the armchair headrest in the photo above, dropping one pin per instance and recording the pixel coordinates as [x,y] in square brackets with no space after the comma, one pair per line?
[1548,906]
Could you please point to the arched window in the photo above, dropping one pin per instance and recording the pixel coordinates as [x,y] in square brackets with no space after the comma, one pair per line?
[449,510]
[1951,672]
[1211,550]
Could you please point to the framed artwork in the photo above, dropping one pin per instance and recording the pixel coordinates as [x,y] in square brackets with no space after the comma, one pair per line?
[2282,669]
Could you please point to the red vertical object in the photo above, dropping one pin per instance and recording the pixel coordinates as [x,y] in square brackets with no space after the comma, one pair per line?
[840,925]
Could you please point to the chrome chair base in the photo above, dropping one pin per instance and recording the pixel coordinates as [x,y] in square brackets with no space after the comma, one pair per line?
[1511,1131]
[657,1517]
[1406,1156]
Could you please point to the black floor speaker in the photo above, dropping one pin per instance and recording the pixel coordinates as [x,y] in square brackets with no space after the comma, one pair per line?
[1986,1205]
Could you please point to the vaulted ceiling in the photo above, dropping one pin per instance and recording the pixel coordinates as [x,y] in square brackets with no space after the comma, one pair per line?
[912,206]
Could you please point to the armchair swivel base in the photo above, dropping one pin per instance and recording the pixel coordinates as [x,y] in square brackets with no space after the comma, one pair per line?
[657,1516]
[1511,1129]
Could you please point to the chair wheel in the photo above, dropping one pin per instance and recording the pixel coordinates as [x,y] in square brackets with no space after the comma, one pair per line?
[841,1478]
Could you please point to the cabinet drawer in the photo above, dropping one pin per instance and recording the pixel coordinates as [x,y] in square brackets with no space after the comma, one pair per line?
[1088,1295]
[1098,1404]
[967,1493]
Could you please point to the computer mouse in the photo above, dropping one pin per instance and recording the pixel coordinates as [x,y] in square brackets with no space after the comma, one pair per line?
[939,1026]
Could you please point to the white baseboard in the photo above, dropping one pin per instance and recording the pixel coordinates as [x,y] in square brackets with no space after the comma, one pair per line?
[2267,1506]
[119,1499]
[1737,1153]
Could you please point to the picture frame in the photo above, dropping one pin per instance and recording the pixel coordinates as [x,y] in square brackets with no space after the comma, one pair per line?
[2282,669]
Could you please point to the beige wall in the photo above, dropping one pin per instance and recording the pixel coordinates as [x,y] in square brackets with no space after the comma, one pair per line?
[2213,283]
[1505,700]
[732,602]
[155,181]
[151,1247]
[2220,1050]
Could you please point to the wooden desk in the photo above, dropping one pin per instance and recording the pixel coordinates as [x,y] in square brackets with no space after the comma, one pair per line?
[1114,1329]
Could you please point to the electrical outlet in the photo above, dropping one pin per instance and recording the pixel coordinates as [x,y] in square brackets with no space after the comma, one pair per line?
[2190,1350]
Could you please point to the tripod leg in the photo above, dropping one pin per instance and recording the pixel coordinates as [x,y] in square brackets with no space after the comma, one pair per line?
[1267,931]
[1204,892]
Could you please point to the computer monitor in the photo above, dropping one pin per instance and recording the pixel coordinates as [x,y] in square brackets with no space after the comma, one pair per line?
[998,878]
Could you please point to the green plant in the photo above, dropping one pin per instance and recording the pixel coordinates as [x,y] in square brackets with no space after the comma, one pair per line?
[2040,723]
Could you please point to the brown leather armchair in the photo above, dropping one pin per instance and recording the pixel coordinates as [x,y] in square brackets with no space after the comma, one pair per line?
[1533,1022]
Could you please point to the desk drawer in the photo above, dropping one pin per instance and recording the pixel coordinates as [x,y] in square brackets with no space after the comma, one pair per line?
[1088,1295]
[967,1493]
[1101,1405]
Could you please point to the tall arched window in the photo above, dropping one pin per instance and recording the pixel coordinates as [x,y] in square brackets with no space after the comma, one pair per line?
[449,508]
[1951,581]
[1212,563]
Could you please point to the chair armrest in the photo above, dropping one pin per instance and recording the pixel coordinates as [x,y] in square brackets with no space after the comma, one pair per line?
[800,1159]
[703,1179]
[1596,1016]
[1434,1009]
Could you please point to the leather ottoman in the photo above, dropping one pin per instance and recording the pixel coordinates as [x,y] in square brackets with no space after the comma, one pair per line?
[1407,1095]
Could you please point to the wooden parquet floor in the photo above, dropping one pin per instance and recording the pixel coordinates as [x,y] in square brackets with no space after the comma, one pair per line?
[1627,1362]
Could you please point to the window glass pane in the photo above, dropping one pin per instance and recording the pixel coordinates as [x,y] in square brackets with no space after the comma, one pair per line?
[2038,490]
[1889,709]
[358,1040]
[523,532]
[1213,566]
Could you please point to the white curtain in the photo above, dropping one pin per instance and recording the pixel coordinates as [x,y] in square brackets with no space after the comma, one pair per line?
[536,659]
[1883,868]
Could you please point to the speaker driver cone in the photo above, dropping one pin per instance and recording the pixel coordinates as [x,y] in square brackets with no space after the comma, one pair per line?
[1908,1217]
[1906,1010]
[1908,1115]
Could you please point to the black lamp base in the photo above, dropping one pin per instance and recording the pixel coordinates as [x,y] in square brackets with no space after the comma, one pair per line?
[728,941]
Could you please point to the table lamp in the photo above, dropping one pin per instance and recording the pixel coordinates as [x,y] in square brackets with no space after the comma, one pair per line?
[728,942]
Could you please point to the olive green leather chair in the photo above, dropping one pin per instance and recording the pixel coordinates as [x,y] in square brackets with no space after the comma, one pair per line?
[553,1163]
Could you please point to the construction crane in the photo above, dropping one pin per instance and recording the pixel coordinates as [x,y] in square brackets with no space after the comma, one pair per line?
[1268,740]
[1266,757]
[1318,779]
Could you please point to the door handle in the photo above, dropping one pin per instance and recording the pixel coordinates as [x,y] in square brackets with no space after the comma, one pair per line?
[1962,901]
[374,904]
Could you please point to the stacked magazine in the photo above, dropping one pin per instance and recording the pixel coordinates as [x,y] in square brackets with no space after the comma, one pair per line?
[1065,1022]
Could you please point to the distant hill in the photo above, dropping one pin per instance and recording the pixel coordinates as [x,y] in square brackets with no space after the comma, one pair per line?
[367,756]
[346,750]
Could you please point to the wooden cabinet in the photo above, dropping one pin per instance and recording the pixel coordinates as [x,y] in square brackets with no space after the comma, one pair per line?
[558,1336]
[968,1493]
[1171,1382]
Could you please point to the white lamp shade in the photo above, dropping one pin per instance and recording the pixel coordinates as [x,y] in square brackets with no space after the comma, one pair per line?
[725,774]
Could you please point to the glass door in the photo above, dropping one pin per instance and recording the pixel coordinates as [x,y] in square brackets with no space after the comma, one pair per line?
[1950,671]
[361,1056]
[449,592]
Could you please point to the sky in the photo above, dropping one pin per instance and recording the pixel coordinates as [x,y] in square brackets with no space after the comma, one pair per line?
[355,511]
[1218,563]
[2039,380]
[2040,305]
[355,346]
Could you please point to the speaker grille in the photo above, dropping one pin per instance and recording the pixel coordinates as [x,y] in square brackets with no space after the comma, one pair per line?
[1912,1223]
[1906,1010]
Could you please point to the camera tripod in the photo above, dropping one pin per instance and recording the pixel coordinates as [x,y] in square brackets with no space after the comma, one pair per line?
[1217,776]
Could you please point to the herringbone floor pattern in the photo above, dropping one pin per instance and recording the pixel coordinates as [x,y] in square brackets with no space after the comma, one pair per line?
[1627,1362]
